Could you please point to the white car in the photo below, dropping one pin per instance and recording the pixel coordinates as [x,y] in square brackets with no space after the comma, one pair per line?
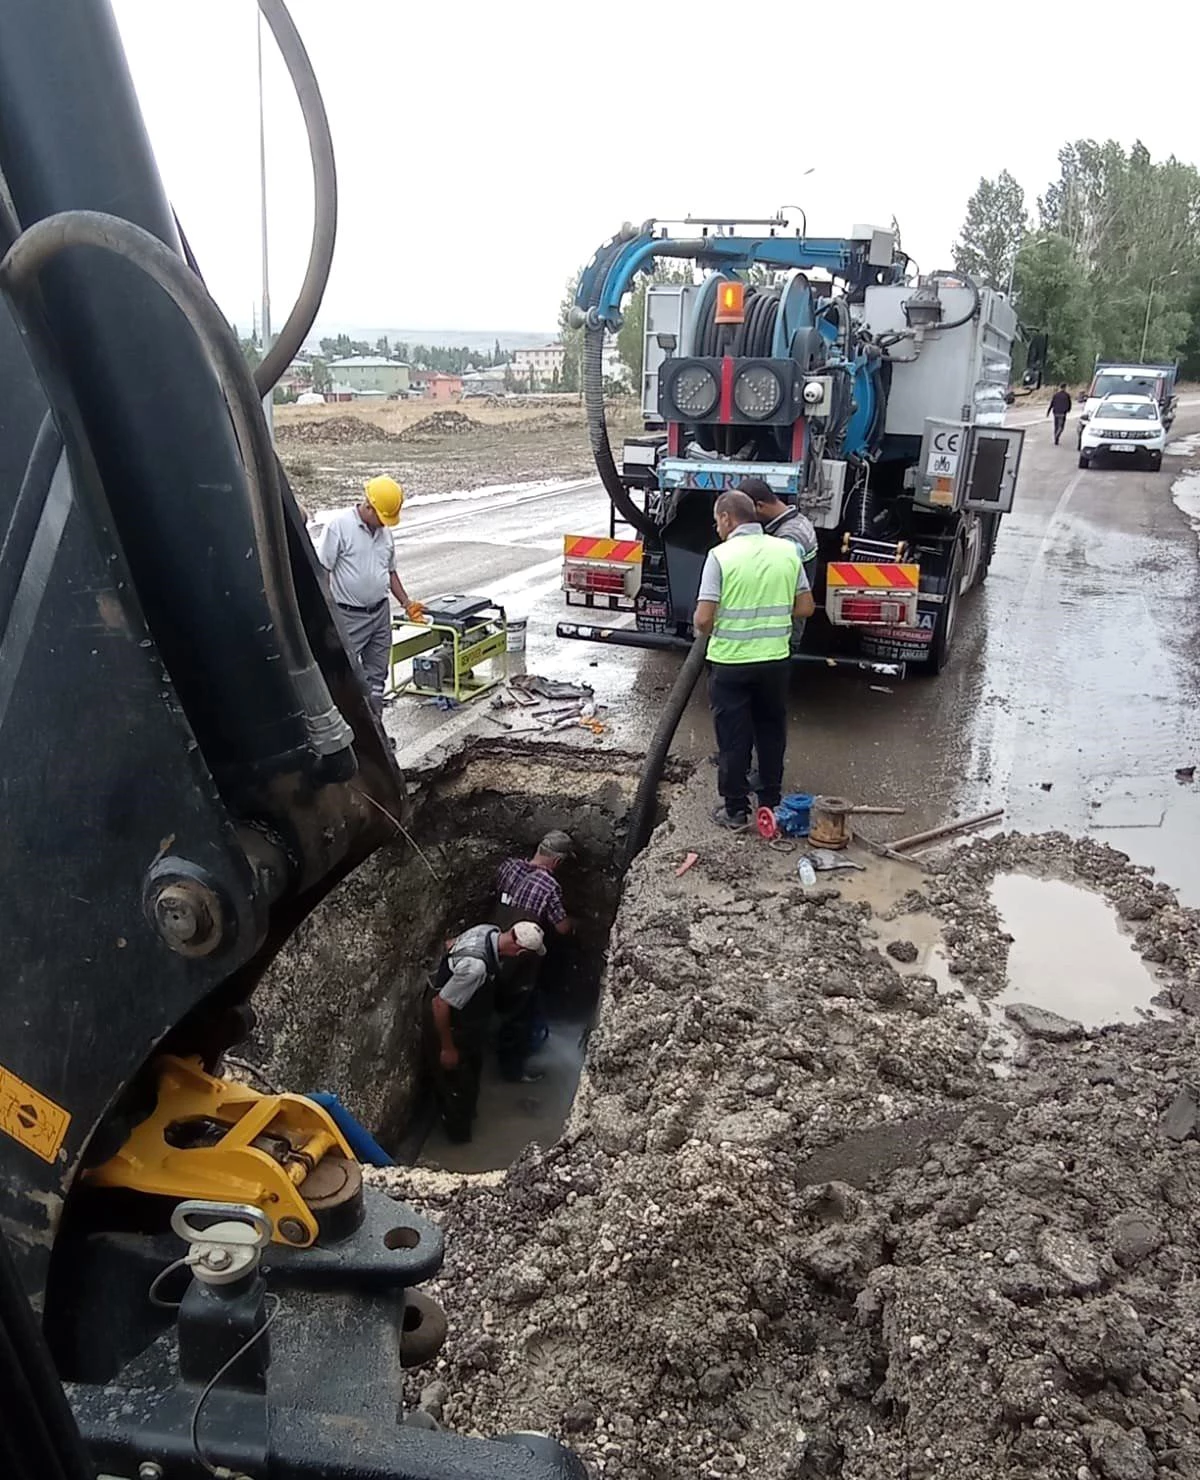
[1124,427]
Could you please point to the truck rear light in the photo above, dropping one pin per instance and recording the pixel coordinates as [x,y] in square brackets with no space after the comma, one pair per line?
[858,608]
[864,609]
[596,580]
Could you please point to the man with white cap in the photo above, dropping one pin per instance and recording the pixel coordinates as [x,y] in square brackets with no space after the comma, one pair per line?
[458,1008]
[358,550]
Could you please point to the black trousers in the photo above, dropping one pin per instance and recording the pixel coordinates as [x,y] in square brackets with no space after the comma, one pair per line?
[1060,421]
[456,1091]
[749,708]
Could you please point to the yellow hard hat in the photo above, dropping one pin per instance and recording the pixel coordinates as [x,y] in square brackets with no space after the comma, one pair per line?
[386,497]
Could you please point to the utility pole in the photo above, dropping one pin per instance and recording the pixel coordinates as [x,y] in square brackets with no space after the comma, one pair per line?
[268,399]
[1149,300]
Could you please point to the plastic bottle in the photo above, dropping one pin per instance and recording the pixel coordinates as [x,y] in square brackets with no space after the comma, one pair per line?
[808,874]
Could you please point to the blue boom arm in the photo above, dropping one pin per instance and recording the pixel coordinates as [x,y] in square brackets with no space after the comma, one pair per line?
[610,273]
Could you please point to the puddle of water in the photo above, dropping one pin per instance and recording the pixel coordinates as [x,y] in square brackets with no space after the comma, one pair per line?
[512,1115]
[1069,954]
[1185,494]
[925,932]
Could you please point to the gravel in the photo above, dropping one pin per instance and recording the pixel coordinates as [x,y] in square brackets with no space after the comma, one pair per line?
[797,1226]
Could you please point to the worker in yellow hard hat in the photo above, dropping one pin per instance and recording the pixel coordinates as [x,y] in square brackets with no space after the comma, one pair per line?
[358,550]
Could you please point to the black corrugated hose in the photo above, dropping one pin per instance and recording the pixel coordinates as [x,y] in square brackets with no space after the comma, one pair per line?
[641,816]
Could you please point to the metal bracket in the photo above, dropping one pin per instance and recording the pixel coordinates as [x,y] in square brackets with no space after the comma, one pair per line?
[212,1139]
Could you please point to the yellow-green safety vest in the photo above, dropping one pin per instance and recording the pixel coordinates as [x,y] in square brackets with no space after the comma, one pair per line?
[758,591]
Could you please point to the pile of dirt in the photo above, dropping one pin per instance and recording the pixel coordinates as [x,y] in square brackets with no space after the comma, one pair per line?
[439,424]
[797,1227]
[344,431]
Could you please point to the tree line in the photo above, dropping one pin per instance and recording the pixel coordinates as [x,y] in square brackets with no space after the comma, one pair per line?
[1107,262]
[452,360]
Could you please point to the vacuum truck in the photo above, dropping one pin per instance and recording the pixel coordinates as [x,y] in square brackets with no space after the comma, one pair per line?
[867,395]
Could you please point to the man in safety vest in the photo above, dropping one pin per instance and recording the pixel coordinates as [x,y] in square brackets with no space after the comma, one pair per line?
[751,590]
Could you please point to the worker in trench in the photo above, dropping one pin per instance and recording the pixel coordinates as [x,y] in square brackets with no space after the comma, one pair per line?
[457,1013]
[751,590]
[527,889]
[357,550]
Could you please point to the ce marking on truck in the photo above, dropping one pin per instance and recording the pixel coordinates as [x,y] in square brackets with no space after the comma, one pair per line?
[943,454]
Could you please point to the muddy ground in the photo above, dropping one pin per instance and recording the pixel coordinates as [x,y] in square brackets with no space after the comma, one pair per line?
[803,1224]
[329,452]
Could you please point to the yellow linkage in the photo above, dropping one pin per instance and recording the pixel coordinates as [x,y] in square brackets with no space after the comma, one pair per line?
[232,1170]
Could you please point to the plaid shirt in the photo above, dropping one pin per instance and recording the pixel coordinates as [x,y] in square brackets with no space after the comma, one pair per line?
[524,886]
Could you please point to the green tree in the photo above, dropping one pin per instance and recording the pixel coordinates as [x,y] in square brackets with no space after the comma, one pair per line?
[1052,296]
[992,231]
[496,355]
[321,379]
[383,347]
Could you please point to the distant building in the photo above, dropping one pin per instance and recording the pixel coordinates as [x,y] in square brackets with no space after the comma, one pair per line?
[445,388]
[550,359]
[538,366]
[371,374]
[436,385]
[488,382]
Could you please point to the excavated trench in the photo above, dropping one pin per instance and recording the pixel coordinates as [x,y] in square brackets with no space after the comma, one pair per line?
[340,1009]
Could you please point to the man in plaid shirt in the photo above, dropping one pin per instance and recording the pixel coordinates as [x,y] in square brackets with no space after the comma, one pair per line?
[527,890]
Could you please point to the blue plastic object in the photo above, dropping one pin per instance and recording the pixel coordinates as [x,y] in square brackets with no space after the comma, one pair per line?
[794,813]
[360,1140]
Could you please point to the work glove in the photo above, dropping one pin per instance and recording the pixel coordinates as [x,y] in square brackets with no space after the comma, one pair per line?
[414,611]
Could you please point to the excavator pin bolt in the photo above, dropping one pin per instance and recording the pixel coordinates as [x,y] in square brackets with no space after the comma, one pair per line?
[187,916]
[293,1230]
[150,1469]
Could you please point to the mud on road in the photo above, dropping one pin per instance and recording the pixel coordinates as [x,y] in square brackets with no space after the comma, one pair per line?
[798,1226]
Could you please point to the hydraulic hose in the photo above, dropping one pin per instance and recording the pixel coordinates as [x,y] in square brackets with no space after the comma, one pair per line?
[320,146]
[641,815]
[972,311]
[328,732]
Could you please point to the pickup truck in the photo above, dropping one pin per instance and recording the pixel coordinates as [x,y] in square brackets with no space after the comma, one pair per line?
[1111,378]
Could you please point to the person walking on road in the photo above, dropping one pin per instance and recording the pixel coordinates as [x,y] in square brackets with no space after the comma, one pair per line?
[1060,404]
[752,588]
[785,522]
[457,1012]
[357,549]
[526,889]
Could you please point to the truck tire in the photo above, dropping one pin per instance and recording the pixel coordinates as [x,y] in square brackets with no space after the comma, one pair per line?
[991,530]
[1155,461]
[947,618]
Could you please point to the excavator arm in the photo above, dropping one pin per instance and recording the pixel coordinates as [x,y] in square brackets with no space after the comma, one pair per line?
[189,764]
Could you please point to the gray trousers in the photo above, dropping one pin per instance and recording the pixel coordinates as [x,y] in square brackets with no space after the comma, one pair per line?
[369,637]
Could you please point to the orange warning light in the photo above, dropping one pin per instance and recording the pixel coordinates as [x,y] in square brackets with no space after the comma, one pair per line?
[731,303]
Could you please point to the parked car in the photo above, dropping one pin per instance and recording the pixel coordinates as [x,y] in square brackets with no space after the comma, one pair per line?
[1124,427]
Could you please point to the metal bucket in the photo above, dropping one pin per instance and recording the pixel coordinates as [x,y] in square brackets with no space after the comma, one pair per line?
[516,634]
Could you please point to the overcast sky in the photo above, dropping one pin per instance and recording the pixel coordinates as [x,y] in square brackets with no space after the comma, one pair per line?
[485,150]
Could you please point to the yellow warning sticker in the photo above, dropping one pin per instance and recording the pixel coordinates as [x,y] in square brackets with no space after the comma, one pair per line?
[30,1118]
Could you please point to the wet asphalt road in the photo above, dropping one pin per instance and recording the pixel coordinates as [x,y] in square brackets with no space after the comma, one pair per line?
[1071,698]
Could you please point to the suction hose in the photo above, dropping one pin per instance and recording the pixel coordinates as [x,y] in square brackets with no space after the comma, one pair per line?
[641,816]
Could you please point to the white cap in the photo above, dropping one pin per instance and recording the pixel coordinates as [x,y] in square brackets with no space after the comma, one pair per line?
[529,937]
